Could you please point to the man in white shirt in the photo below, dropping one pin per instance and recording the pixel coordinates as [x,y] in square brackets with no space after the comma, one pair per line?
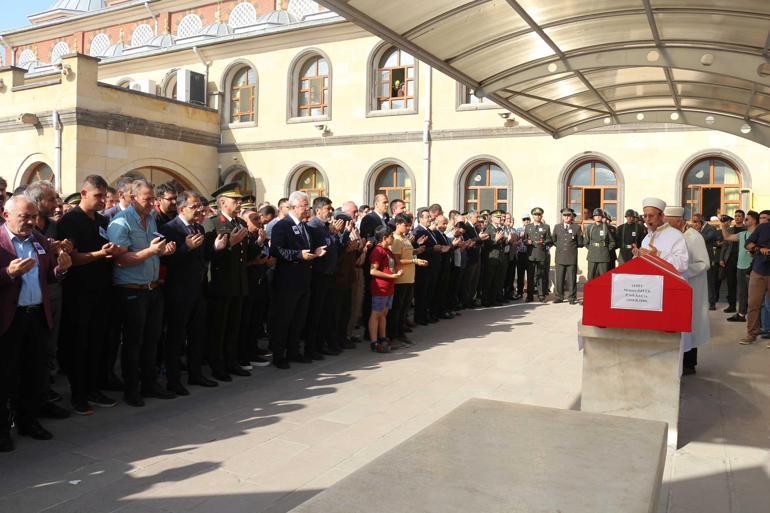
[697,268]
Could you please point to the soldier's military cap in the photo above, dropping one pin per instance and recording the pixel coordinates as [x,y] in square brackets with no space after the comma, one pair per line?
[484,212]
[496,213]
[525,216]
[248,205]
[567,211]
[607,216]
[229,190]
[249,198]
[598,212]
[73,199]
[537,211]
[212,202]
[630,213]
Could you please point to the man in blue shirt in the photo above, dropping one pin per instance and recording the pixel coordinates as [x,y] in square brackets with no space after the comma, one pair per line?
[135,277]
[758,243]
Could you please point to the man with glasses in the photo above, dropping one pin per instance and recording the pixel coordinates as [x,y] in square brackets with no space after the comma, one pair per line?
[183,288]
[165,203]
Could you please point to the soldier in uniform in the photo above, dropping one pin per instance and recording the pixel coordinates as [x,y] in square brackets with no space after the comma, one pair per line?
[600,243]
[537,236]
[567,237]
[614,233]
[228,249]
[629,236]
[496,260]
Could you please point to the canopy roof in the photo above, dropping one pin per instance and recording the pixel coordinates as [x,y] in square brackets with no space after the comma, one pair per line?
[572,65]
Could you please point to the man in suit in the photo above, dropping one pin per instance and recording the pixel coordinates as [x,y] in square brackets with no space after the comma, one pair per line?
[728,260]
[470,278]
[425,277]
[370,222]
[494,247]
[440,306]
[292,248]
[567,238]
[600,242]
[27,265]
[325,232]
[537,236]
[629,235]
[184,293]
[229,282]
[710,235]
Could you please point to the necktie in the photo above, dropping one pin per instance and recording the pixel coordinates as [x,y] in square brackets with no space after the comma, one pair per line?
[304,233]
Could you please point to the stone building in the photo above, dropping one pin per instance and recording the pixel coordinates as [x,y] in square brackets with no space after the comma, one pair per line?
[287,95]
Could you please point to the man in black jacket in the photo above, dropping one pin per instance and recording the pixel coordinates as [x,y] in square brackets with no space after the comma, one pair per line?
[184,290]
[293,251]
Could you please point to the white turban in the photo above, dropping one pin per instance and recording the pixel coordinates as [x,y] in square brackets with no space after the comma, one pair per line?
[654,202]
[674,211]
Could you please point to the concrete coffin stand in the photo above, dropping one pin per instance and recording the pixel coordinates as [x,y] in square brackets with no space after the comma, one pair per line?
[632,373]
[496,457]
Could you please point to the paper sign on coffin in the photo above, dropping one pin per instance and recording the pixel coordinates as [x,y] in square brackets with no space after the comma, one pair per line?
[645,293]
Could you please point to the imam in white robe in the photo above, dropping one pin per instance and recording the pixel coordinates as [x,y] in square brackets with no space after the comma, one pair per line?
[670,245]
[697,269]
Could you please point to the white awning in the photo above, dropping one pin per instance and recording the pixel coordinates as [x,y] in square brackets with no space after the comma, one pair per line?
[572,65]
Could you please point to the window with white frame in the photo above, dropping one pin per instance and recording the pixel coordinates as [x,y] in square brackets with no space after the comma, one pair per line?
[190,26]
[243,95]
[142,35]
[395,80]
[313,87]
[243,15]
[99,45]
[60,49]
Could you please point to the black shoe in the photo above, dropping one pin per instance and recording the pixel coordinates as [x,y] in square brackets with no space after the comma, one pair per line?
[177,388]
[53,396]
[6,442]
[133,399]
[573,301]
[517,297]
[81,407]
[558,300]
[541,299]
[766,336]
[432,320]
[736,318]
[202,381]
[237,371]
[282,364]
[729,309]
[688,371]
[114,383]
[301,359]
[329,351]
[101,400]
[259,361]
[262,352]
[52,411]
[712,307]
[158,393]
[446,316]
[221,376]
[318,356]
[529,299]
[34,430]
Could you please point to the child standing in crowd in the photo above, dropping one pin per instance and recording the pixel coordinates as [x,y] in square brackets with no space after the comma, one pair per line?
[383,265]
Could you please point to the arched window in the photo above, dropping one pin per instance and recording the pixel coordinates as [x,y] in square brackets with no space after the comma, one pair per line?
[168,87]
[244,180]
[243,15]
[99,45]
[712,186]
[141,35]
[592,184]
[59,50]
[311,182]
[395,183]
[190,26]
[40,172]
[243,95]
[25,58]
[313,83]
[394,80]
[486,188]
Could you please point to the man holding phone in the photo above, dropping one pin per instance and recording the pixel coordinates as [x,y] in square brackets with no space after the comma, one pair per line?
[135,276]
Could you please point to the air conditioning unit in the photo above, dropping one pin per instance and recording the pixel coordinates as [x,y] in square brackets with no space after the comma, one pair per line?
[145,86]
[191,87]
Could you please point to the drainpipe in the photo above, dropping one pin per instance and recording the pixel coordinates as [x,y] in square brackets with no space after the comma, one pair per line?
[426,142]
[152,15]
[199,55]
[57,127]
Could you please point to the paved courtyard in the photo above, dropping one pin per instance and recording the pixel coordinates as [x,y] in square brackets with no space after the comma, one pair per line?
[269,442]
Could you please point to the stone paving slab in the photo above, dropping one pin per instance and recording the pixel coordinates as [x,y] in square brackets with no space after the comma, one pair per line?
[272,441]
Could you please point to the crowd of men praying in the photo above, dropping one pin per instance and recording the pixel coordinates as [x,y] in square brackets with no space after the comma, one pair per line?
[148,290]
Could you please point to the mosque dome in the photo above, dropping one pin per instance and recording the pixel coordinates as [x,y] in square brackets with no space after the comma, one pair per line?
[78,5]
[278,17]
[162,41]
[216,29]
[115,50]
